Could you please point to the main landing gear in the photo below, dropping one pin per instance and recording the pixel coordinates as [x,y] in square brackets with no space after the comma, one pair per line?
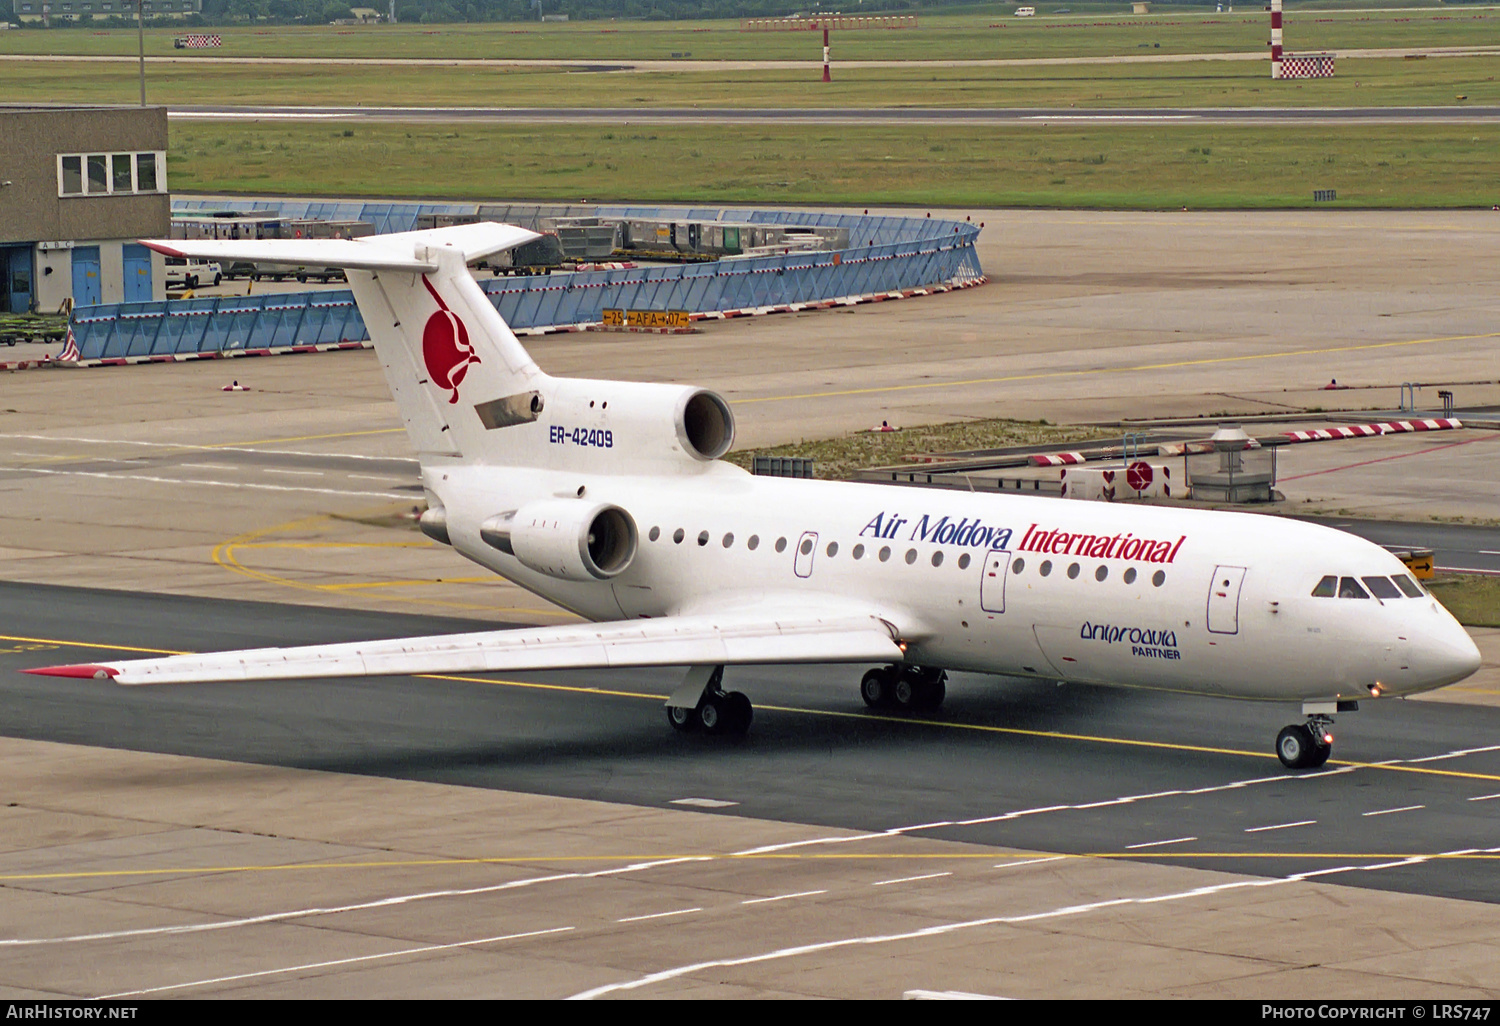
[1308,745]
[906,688]
[701,703]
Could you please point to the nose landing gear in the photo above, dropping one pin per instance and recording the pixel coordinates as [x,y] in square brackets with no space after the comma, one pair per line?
[1308,745]
[1305,746]
[906,688]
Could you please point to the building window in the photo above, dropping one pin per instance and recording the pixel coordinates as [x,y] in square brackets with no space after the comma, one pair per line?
[71,183]
[145,172]
[98,165]
[100,174]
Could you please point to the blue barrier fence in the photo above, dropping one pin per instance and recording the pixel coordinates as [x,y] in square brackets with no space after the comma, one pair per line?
[886,254]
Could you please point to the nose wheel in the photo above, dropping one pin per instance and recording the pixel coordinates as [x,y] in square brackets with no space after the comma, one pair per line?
[1305,745]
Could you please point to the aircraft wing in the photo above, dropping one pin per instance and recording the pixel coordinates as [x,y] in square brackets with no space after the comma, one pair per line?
[400,252]
[696,640]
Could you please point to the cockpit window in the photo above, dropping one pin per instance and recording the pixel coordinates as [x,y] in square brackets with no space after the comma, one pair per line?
[1406,584]
[1349,588]
[1328,587]
[1381,587]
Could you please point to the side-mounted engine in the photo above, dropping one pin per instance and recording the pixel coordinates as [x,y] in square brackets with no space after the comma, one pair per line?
[570,539]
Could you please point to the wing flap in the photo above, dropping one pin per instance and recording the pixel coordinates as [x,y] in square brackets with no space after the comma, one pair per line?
[667,641]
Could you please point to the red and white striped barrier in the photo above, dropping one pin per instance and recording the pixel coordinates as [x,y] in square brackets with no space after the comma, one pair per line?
[1389,427]
[1056,459]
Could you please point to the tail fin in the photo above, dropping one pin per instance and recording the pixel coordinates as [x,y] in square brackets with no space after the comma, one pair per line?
[438,337]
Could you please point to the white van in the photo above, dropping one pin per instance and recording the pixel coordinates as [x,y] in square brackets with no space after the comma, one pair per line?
[189,273]
[1025,12]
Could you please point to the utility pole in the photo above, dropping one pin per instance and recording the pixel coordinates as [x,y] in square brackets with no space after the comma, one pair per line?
[140,34]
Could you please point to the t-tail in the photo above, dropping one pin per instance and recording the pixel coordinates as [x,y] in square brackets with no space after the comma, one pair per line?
[466,388]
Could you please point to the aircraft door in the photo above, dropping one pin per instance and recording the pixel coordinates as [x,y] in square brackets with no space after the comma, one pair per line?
[807,548]
[1224,600]
[994,569]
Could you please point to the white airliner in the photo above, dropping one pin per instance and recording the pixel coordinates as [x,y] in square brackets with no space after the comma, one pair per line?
[609,499]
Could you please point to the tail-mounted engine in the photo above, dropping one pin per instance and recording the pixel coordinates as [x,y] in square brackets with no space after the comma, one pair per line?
[571,539]
[620,425]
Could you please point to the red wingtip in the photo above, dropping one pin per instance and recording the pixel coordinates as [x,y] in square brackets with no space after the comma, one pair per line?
[160,247]
[80,670]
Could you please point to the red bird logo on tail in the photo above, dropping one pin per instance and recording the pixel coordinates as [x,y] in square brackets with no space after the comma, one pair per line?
[445,346]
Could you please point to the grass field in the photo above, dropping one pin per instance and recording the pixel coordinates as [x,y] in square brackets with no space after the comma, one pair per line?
[837,458]
[1115,167]
[1473,600]
[941,37]
[1191,84]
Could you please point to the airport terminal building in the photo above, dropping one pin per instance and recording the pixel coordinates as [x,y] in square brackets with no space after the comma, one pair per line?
[78,186]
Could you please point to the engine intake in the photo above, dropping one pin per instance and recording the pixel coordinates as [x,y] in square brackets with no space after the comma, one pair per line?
[704,425]
[571,539]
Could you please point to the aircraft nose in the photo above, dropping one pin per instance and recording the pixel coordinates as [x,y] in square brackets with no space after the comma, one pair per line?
[1447,656]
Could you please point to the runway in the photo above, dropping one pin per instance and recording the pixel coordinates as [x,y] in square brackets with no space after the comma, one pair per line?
[1008,764]
[1016,116]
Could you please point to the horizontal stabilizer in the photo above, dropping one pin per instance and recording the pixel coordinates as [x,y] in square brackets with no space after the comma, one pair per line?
[406,251]
[698,640]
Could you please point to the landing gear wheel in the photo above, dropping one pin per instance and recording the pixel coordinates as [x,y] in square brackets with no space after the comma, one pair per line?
[682,718]
[932,694]
[711,714]
[906,694]
[876,687]
[740,711]
[1298,748]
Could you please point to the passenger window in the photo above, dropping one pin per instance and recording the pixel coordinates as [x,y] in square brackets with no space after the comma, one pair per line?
[833,549]
[753,543]
[1406,584]
[1073,572]
[655,533]
[963,561]
[702,537]
[728,540]
[885,553]
[1045,568]
[937,558]
[677,536]
[1158,579]
[806,546]
[780,544]
[911,556]
[1349,588]
[858,552]
[1101,573]
[1130,575]
[1328,587]
[1381,587]
[1018,566]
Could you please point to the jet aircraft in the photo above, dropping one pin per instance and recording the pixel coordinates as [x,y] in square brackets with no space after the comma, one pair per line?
[610,499]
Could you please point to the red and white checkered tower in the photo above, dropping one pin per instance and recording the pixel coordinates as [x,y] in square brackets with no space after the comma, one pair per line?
[1275,38]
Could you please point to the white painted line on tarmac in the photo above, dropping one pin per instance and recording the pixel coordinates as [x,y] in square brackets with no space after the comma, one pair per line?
[1457,755]
[207,448]
[1280,826]
[703,803]
[909,879]
[295,473]
[336,962]
[210,466]
[947,928]
[1387,812]
[783,897]
[374,477]
[1482,797]
[211,484]
[1029,862]
[658,915]
[1158,844]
